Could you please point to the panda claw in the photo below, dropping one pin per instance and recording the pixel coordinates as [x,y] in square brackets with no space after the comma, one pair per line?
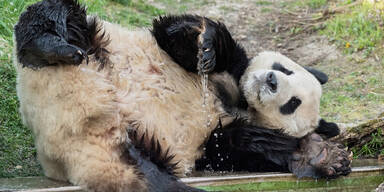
[207,61]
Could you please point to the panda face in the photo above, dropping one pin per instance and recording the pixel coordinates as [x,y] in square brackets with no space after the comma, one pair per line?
[281,94]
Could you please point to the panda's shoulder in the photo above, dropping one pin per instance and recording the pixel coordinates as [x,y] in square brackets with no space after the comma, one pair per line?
[227,90]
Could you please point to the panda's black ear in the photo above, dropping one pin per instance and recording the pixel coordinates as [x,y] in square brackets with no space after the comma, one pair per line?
[327,129]
[320,76]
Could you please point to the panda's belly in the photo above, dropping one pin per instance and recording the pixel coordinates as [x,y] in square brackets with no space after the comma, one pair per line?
[159,97]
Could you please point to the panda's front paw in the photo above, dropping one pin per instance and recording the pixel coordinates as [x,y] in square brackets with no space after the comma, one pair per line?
[318,158]
[206,53]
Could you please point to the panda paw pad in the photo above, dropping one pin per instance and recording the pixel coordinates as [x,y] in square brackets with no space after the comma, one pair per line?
[318,158]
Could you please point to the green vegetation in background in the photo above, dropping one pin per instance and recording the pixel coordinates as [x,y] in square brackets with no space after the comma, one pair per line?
[357,89]
[132,13]
[313,4]
[354,93]
[304,4]
[373,148]
[17,152]
[359,29]
[260,2]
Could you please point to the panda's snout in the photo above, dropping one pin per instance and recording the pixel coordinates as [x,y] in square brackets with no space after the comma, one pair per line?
[271,81]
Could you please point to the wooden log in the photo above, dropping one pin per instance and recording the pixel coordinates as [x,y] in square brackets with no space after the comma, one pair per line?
[357,135]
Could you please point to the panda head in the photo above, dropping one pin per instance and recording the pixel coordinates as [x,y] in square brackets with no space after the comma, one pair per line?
[282,94]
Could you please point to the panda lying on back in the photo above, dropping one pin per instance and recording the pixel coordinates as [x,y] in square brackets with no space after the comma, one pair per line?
[269,90]
[102,110]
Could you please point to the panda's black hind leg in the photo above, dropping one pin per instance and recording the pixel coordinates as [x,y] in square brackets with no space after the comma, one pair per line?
[199,44]
[153,163]
[54,32]
[49,50]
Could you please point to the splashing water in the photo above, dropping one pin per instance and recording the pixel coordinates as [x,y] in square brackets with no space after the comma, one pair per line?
[204,83]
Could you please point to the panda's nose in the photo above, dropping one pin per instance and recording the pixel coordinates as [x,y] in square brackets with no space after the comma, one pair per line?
[272,81]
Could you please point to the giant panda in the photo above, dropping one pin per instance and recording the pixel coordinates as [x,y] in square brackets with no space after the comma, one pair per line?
[269,90]
[280,94]
[117,113]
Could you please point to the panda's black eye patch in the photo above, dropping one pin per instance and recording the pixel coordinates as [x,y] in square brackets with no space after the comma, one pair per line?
[291,106]
[278,67]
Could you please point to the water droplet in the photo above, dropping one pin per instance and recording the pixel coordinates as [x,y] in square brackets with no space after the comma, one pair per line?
[204,83]
[221,159]
[218,154]
[215,134]
[204,148]
[217,165]
[217,145]
[221,134]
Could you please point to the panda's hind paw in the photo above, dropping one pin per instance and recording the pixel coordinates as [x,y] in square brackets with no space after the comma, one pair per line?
[67,54]
[320,158]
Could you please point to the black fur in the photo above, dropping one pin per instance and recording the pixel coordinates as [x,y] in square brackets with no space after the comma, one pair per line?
[153,163]
[56,31]
[291,106]
[178,36]
[231,104]
[327,129]
[281,68]
[320,76]
[241,146]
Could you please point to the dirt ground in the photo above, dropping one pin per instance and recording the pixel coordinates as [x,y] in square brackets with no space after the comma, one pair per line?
[268,25]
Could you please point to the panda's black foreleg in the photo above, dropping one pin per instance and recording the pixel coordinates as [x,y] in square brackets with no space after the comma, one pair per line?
[241,146]
[177,35]
[199,44]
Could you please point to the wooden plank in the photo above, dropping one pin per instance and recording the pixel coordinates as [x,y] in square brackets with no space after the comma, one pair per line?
[43,184]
